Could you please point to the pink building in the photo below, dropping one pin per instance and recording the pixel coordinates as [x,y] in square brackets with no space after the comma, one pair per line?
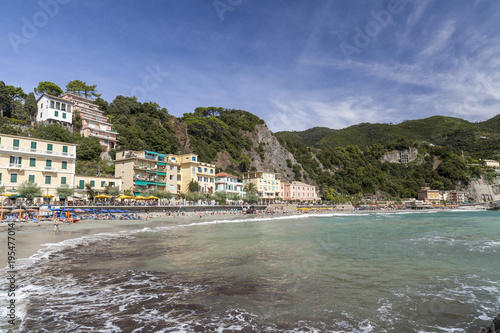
[298,191]
[94,122]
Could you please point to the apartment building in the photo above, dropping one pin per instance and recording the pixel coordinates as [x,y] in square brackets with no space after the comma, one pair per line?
[229,184]
[491,163]
[94,122]
[147,170]
[268,184]
[425,194]
[47,163]
[97,183]
[193,170]
[54,110]
[298,191]
[457,196]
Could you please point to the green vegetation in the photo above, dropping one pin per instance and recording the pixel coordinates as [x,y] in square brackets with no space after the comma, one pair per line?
[212,130]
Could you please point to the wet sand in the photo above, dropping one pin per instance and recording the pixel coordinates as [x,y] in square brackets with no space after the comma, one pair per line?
[31,237]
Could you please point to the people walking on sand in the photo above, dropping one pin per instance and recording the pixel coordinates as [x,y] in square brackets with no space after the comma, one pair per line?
[56,225]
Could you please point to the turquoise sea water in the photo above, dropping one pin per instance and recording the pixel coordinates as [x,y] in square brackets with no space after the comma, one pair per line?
[398,272]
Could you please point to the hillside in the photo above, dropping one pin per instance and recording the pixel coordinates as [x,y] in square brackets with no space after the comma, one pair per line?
[480,139]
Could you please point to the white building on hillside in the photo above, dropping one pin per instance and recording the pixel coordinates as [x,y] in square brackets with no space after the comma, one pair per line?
[52,109]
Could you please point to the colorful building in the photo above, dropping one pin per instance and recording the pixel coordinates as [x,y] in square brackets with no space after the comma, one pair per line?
[229,183]
[54,110]
[147,170]
[267,184]
[50,164]
[298,191]
[94,122]
[457,196]
[425,194]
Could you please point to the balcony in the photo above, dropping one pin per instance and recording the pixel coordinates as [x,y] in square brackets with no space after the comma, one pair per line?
[49,169]
[36,151]
[15,166]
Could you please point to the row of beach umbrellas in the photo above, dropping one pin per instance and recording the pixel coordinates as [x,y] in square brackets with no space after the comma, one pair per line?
[100,196]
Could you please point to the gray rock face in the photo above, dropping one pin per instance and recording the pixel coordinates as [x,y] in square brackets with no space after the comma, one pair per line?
[494,327]
[404,156]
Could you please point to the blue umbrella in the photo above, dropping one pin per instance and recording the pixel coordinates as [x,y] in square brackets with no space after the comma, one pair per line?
[127,211]
[104,210]
[67,210]
[120,211]
[87,210]
[112,211]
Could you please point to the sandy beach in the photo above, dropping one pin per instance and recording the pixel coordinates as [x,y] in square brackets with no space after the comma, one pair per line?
[31,237]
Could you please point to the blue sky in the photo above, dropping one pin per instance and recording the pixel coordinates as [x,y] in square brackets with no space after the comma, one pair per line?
[295,64]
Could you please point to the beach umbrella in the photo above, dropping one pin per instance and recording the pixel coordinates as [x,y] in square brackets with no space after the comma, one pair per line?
[140,197]
[47,196]
[152,197]
[87,210]
[45,209]
[18,211]
[79,211]
[123,196]
[7,194]
[112,211]
[102,196]
[127,211]
[104,210]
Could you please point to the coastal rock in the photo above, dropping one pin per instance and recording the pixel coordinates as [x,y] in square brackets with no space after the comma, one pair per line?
[494,328]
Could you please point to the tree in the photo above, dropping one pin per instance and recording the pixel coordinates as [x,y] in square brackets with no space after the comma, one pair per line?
[65,191]
[112,191]
[6,100]
[47,87]
[193,186]
[29,190]
[89,149]
[234,197]
[90,191]
[81,88]
[31,107]
[250,188]
[221,197]
[252,198]
[77,121]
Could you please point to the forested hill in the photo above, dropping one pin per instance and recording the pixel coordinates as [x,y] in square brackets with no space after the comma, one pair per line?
[481,139]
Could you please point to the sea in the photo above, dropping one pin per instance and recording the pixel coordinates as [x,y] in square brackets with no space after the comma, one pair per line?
[435,271]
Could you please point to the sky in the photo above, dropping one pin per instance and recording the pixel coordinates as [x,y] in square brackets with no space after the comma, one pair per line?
[295,64]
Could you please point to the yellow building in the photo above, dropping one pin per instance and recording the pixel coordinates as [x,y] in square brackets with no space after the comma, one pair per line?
[47,163]
[427,195]
[146,170]
[268,184]
[193,170]
[98,184]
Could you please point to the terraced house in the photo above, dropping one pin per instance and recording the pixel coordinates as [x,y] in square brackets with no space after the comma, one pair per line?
[47,163]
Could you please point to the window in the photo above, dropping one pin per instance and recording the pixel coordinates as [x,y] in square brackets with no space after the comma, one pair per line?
[16,144]
[49,148]
[111,184]
[52,104]
[199,169]
[63,180]
[205,170]
[171,187]
[48,179]
[92,183]
[211,170]
[82,184]
[13,177]
[63,107]
[65,150]
[194,158]
[32,162]
[31,179]
[58,106]
[0,177]
[103,183]
[48,163]
[56,113]
[33,145]
[16,160]
[69,108]
[64,165]
[41,106]
[64,115]
[171,177]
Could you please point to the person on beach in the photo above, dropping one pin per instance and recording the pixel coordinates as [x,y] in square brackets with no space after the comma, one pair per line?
[56,225]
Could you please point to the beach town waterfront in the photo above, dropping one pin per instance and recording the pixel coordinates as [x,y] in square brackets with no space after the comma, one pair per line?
[433,271]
